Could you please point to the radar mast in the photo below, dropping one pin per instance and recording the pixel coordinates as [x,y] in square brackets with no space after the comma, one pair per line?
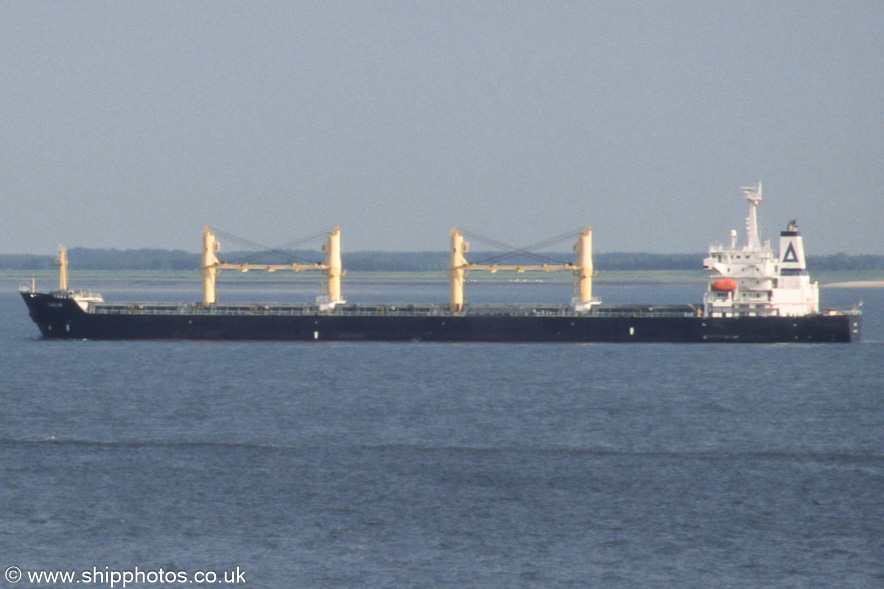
[753,195]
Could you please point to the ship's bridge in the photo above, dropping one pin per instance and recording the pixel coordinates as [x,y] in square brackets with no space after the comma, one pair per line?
[753,280]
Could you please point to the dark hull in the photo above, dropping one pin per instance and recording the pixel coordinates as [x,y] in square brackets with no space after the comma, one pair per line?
[63,318]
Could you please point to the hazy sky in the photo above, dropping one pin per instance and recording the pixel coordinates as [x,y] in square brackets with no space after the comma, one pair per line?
[132,125]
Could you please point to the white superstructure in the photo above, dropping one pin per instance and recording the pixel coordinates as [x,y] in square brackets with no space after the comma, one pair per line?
[752,280]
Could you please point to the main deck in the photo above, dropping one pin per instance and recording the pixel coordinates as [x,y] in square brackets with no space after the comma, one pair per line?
[402,310]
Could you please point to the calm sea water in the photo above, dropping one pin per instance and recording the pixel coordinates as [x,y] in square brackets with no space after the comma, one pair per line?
[429,465]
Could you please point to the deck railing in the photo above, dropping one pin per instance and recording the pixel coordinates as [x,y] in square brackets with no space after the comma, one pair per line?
[377,310]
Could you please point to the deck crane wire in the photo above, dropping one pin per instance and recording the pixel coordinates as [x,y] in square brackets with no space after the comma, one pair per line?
[528,250]
[282,250]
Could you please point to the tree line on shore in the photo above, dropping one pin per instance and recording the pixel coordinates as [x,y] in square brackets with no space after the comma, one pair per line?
[159,259]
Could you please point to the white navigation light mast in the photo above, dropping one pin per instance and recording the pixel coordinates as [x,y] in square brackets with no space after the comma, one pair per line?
[753,195]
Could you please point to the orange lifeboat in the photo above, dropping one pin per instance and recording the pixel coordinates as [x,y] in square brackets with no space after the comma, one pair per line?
[724,285]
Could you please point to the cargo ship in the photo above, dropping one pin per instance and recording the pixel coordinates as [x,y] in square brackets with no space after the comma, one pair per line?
[754,296]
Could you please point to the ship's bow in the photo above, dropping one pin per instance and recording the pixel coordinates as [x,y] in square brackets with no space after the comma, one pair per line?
[52,313]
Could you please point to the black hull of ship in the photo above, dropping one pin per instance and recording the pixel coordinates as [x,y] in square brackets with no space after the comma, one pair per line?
[63,318]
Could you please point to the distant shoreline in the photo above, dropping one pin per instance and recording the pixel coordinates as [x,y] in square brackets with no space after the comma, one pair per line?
[835,268]
[649,278]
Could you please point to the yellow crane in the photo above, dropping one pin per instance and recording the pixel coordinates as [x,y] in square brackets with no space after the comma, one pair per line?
[332,267]
[582,268]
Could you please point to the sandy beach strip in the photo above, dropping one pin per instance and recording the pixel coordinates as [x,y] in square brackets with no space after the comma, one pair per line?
[856,284]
